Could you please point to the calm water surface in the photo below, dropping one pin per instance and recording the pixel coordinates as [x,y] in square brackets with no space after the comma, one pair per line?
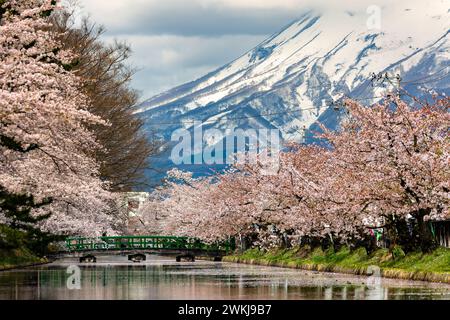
[113,277]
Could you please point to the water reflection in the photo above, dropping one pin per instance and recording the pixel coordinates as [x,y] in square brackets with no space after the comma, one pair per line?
[113,277]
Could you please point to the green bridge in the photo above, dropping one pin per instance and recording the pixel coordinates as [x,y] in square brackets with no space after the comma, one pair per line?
[149,243]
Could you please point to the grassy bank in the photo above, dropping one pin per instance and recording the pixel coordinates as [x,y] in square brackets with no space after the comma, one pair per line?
[15,258]
[433,266]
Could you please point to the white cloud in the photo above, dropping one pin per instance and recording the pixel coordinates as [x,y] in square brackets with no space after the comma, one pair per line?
[175,41]
[166,61]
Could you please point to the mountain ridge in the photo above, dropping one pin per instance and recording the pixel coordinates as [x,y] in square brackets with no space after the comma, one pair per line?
[289,80]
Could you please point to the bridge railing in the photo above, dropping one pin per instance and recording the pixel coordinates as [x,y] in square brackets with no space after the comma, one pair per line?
[145,242]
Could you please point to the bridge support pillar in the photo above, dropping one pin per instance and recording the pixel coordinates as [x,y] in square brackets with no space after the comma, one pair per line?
[89,258]
[137,257]
[185,257]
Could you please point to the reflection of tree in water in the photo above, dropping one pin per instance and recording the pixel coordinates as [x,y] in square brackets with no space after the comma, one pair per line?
[165,279]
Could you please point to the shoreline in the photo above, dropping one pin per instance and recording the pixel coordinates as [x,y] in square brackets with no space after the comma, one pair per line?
[292,262]
[385,273]
[20,258]
[24,265]
[391,273]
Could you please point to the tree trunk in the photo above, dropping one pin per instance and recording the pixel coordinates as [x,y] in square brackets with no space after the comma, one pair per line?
[427,241]
[404,237]
[244,243]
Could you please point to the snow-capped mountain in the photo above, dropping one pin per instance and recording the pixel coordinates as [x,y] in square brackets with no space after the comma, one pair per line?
[289,80]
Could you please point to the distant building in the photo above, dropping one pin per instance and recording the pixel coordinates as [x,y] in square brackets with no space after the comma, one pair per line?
[133,202]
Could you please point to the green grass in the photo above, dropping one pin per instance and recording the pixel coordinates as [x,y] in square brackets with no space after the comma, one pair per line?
[17,257]
[436,262]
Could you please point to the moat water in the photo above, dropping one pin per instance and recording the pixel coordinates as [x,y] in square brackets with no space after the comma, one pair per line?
[114,277]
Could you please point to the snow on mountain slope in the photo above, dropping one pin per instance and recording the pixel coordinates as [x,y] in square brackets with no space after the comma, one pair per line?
[288,81]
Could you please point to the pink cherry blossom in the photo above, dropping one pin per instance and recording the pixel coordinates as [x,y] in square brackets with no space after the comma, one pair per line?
[41,105]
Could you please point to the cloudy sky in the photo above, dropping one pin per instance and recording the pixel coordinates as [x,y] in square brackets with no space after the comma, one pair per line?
[176,41]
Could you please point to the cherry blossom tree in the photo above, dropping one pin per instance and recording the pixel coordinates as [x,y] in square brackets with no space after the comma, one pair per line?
[48,177]
[398,156]
[386,167]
